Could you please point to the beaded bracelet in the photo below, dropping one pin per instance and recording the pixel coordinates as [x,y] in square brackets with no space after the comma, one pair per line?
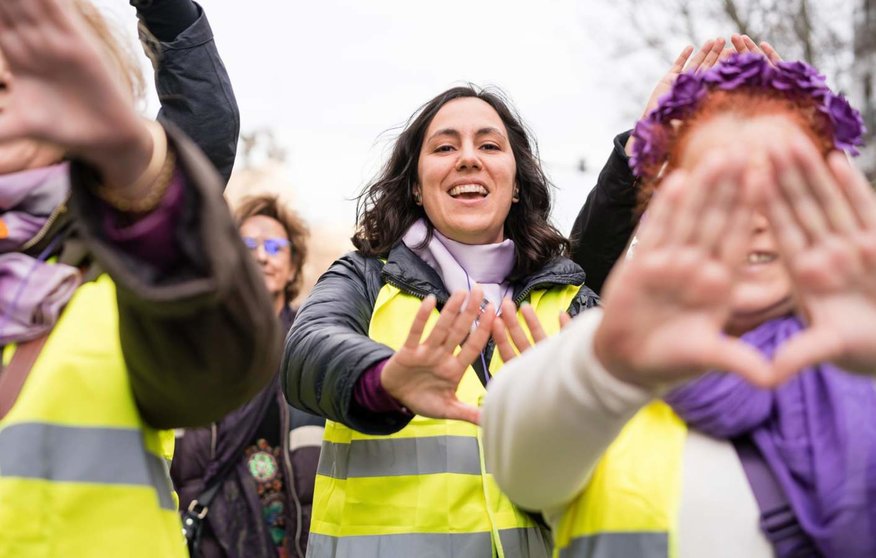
[155,180]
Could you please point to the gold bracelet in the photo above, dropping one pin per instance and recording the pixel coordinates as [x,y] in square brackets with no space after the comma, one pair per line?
[155,180]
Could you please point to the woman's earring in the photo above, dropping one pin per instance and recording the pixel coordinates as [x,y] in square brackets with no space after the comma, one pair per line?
[418,197]
[515,194]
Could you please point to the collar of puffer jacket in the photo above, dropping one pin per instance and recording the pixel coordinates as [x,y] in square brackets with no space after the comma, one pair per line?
[407,271]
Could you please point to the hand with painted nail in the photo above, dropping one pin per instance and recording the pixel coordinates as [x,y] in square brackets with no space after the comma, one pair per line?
[508,333]
[666,309]
[824,217]
[423,375]
[706,57]
[744,44]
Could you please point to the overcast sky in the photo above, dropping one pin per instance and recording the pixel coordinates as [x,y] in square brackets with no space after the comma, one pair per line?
[332,78]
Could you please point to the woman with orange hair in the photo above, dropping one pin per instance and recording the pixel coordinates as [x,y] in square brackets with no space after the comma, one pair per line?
[722,402]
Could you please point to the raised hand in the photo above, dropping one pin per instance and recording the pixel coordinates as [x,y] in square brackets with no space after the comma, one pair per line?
[744,44]
[706,57]
[824,219]
[424,375]
[666,307]
[61,88]
[509,334]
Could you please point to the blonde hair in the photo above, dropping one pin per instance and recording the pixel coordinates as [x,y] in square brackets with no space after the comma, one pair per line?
[118,49]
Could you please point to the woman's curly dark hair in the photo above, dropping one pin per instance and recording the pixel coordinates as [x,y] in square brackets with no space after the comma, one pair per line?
[386,207]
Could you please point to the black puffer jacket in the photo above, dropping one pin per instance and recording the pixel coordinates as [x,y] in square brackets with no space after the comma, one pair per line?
[328,347]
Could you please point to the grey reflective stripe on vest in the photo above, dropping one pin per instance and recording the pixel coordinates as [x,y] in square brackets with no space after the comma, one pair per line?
[438,545]
[526,542]
[78,454]
[392,457]
[618,545]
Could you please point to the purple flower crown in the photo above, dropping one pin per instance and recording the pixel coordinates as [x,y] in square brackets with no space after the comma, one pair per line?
[652,132]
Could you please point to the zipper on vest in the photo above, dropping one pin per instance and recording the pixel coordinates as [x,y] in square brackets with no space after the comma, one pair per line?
[407,289]
[47,226]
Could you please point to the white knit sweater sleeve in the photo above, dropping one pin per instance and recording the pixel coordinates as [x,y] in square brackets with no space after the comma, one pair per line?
[551,413]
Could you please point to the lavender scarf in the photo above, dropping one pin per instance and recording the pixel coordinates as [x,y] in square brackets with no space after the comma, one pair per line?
[32,292]
[817,433]
[462,265]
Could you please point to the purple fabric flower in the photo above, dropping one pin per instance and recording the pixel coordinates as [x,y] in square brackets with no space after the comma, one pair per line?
[649,146]
[798,76]
[848,126]
[738,70]
[686,92]
[742,70]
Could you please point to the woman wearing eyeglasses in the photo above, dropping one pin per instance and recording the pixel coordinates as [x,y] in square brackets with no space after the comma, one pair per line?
[276,238]
[263,456]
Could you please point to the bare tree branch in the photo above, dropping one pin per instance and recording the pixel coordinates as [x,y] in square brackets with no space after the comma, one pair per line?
[732,12]
[803,30]
[690,24]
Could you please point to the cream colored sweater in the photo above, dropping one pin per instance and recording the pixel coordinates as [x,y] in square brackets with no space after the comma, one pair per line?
[551,413]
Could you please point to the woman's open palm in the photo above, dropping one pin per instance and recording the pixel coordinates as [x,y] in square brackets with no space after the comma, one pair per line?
[423,375]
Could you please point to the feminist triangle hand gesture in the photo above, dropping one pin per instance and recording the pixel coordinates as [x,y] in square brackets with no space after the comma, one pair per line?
[824,219]
[666,307]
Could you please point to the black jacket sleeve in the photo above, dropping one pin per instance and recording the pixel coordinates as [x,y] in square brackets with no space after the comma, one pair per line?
[328,347]
[193,86]
[608,218]
[202,339]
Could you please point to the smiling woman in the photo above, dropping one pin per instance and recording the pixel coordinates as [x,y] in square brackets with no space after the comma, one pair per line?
[463,137]
[750,294]
[461,207]
[467,172]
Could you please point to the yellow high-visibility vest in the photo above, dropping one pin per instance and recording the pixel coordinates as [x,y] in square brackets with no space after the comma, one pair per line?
[81,474]
[630,506]
[423,491]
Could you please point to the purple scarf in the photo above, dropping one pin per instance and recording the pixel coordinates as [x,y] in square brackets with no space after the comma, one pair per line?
[32,292]
[817,433]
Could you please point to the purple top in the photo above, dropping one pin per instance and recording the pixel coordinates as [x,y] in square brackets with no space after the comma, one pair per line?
[369,393]
[150,238]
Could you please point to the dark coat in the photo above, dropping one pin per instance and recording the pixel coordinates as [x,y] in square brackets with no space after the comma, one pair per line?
[608,219]
[234,527]
[195,92]
[198,339]
[215,289]
[328,348]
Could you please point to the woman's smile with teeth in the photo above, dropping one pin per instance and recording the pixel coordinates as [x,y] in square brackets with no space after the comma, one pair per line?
[463,189]
[761,257]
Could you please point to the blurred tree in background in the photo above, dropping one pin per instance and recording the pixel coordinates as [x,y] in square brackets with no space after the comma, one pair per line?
[836,36]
